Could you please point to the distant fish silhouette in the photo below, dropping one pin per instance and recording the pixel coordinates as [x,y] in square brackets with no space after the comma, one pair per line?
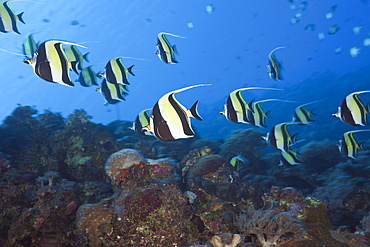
[274,67]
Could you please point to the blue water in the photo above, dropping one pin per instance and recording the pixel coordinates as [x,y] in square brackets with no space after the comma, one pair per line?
[227,48]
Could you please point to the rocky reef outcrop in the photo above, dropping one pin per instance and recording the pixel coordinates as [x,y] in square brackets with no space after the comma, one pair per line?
[71,182]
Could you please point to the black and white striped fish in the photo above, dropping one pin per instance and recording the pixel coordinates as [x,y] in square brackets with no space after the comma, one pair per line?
[165,51]
[349,145]
[170,120]
[8,19]
[353,111]
[116,72]
[50,62]
[113,93]
[280,138]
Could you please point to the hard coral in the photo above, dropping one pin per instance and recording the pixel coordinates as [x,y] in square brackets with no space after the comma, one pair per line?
[267,226]
[121,160]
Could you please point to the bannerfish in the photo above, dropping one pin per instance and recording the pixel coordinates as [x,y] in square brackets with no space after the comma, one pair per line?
[113,93]
[29,46]
[142,123]
[165,51]
[50,62]
[116,72]
[302,115]
[8,19]
[257,116]
[75,57]
[274,67]
[236,107]
[88,77]
[353,111]
[348,144]
[279,137]
[170,120]
[238,162]
[289,158]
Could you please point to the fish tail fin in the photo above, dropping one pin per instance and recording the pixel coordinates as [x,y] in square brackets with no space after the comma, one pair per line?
[130,70]
[194,111]
[268,114]
[294,138]
[174,49]
[361,146]
[21,18]
[85,57]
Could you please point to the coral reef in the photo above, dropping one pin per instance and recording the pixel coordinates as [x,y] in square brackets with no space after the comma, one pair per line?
[71,182]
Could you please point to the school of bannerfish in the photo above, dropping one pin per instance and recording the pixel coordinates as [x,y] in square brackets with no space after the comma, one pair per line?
[168,119]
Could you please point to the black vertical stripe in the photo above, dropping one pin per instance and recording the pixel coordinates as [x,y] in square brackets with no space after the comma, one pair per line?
[42,66]
[362,109]
[231,113]
[161,130]
[346,114]
[182,115]
[241,102]
[64,63]
[122,69]
[111,77]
